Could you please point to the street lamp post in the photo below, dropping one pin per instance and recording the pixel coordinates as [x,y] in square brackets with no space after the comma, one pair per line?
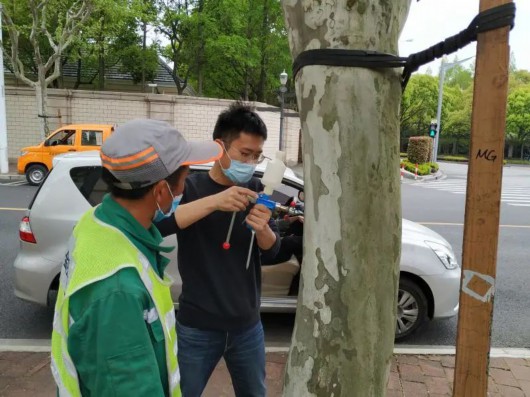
[443,68]
[283,90]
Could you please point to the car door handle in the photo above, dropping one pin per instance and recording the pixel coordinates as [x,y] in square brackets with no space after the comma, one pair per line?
[71,150]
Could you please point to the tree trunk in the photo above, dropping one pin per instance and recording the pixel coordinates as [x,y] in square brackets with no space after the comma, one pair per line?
[78,72]
[344,332]
[510,150]
[41,96]
[455,147]
[522,151]
[144,46]
[101,57]
[246,89]
[260,91]
[101,69]
[200,55]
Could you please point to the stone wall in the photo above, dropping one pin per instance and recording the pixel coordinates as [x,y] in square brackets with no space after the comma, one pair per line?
[194,117]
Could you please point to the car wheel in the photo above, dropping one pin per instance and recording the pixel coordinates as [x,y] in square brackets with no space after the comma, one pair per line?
[35,174]
[412,308]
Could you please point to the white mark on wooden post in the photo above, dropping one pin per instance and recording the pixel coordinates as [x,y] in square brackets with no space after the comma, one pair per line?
[467,289]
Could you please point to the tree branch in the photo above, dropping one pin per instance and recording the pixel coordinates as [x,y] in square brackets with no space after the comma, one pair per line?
[45,30]
[18,66]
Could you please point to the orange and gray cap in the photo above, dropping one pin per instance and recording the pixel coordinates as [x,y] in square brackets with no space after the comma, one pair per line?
[142,152]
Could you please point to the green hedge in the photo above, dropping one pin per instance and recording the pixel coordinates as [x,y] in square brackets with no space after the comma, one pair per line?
[423,169]
[419,149]
[452,158]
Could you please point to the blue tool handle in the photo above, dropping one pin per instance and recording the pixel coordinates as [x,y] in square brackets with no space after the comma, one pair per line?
[264,199]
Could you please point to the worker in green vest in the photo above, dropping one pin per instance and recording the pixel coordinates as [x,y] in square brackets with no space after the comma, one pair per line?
[114,324]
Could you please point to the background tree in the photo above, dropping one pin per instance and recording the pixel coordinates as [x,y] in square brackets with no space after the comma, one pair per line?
[456,125]
[245,50]
[518,118]
[418,105]
[176,25]
[110,38]
[459,76]
[50,30]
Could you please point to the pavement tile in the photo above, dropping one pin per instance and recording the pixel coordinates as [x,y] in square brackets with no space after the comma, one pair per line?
[450,374]
[503,377]
[20,366]
[407,359]
[28,374]
[433,358]
[411,373]
[280,358]
[274,371]
[220,384]
[521,372]
[525,387]
[438,386]
[492,386]
[393,381]
[448,361]
[393,365]
[498,362]
[517,362]
[509,391]
[414,389]
[431,368]
[394,393]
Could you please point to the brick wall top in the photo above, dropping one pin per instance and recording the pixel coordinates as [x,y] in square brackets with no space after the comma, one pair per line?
[195,117]
[132,96]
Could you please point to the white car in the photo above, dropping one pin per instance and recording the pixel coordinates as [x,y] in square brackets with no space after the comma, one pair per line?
[429,273]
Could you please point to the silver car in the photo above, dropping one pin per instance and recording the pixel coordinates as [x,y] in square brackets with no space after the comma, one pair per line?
[429,278]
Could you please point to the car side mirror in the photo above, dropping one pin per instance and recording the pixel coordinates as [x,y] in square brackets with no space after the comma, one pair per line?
[46,143]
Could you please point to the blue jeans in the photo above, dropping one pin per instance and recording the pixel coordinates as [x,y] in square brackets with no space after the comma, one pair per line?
[199,351]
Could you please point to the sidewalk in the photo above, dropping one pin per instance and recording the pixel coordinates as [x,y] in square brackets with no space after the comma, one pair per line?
[298,169]
[28,374]
[12,174]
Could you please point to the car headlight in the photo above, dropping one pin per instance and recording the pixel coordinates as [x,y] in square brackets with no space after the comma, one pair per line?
[22,153]
[446,255]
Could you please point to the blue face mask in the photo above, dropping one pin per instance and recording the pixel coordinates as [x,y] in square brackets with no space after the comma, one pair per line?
[159,214]
[238,172]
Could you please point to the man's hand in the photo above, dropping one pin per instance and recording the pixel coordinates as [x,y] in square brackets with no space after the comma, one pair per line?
[258,218]
[234,199]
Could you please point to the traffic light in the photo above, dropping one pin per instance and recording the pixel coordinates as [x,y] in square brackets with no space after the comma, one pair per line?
[432,130]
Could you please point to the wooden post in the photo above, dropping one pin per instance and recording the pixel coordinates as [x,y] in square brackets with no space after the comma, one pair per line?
[481,228]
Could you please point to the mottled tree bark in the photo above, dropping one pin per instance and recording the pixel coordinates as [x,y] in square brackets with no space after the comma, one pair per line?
[344,333]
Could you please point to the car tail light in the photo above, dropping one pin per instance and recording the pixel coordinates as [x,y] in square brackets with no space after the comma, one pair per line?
[25,231]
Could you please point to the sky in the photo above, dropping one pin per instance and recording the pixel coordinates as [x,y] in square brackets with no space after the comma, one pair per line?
[431,21]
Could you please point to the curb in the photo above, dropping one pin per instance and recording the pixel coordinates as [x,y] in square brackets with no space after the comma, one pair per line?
[26,345]
[439,175]
[44,346]
[13,177]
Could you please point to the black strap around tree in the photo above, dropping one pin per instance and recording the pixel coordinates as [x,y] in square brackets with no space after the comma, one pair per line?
[491,19]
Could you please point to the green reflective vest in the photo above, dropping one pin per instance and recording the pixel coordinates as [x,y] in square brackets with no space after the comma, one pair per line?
[97,251]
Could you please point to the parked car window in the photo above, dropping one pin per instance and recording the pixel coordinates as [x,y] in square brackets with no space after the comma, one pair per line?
[88,181]
[91,138]
[65,137]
